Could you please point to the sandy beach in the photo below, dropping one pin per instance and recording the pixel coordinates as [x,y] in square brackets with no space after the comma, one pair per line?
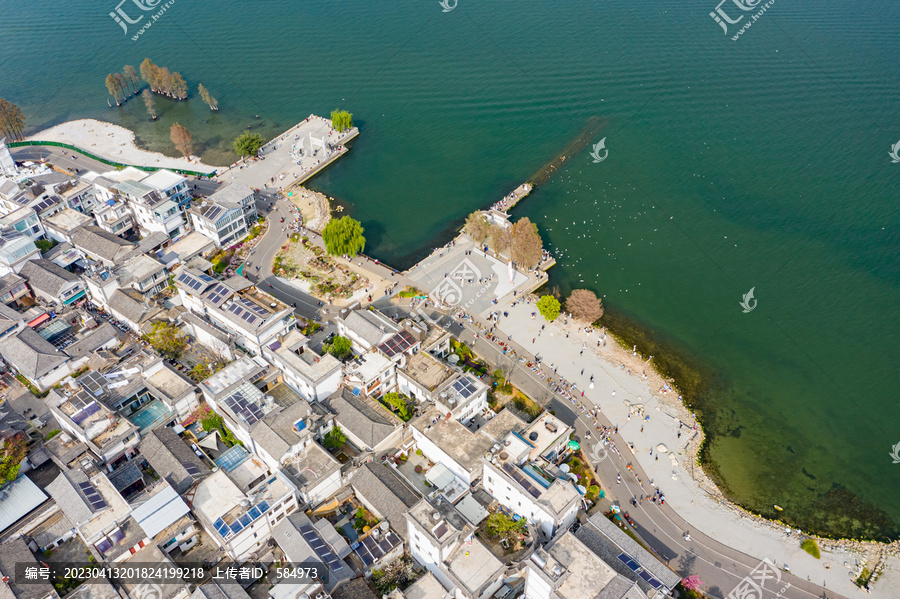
[114,143]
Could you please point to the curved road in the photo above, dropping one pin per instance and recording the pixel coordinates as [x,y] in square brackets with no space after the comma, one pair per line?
[659,526]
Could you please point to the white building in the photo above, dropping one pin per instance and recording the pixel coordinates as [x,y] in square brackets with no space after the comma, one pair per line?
[256,318]
[567,569]
[242,523]
[16,249]
[444,542]
[458,447]
[227,215]
[7,164]
[313,376]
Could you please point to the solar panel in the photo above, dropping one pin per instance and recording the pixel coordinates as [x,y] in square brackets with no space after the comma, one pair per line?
[253,307]
[318,546]
[222,528]
[263,506]
[632,565]
[191,469]
[397,344]
[91,494]
[254,512]
[218,294]
[213,212]
[240,312]
[522,480]
[117,536]
[103,545]
[245,520]
[236,527]
[465,387]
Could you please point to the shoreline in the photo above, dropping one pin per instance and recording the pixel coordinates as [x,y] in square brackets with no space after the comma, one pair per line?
[114,143]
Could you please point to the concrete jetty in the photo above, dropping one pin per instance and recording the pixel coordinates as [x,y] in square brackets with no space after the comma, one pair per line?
[292,157]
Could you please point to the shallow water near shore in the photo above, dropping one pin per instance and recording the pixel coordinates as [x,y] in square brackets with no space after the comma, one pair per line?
[761,163]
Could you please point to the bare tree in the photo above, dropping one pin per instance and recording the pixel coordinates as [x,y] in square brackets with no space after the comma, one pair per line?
[527,246]
[500,238]
[477,226]
[114,86]
[204,93]
[181,138]
[584,305]
[12,121]
[131,77]
[149,103]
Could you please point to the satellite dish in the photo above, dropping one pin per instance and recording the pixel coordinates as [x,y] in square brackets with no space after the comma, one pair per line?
[436,516]
[384,525]
[581,489]
[454,359]
[564,468]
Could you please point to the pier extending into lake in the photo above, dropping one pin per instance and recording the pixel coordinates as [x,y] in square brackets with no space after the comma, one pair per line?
[293,157]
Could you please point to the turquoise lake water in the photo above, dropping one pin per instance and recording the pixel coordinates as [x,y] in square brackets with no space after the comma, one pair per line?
[758,163]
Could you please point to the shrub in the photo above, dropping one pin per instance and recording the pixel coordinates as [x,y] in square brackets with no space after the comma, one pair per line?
[418,452]
[810,546]
[418,469]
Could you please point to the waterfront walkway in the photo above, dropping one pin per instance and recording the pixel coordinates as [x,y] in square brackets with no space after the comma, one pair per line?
[724,546]
[292,157]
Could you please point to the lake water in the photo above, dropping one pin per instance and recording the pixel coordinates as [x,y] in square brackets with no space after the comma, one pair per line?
[758,163]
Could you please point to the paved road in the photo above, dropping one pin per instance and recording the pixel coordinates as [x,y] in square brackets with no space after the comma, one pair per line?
[59,157]
[719,566]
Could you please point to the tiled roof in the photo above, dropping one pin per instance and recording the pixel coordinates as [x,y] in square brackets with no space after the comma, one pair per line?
[364,420]
[31,354]
[98,243]
[167,454]
[383,489]
[130,304]
[92,341]
[46,276]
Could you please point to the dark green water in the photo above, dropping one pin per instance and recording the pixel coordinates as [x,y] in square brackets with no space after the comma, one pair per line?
[757,163]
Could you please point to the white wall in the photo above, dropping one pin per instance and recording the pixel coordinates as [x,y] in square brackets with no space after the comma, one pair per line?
[437,455]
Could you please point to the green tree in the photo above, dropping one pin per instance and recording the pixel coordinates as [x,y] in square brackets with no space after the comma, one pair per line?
[167,339]
[334,438]
[45,245]
[341,120]
[211,421]
[12,121]
[147,95]
[182,139]
[204,93]
[14,450]
[500,525]
[344,237]
[548,306]
[339,347]
[400,403]
[248,144]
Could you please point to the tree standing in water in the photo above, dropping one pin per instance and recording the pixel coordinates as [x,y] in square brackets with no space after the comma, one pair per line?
[204,93]
[181,138]
[114,85]
[149,103]
[12,121]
